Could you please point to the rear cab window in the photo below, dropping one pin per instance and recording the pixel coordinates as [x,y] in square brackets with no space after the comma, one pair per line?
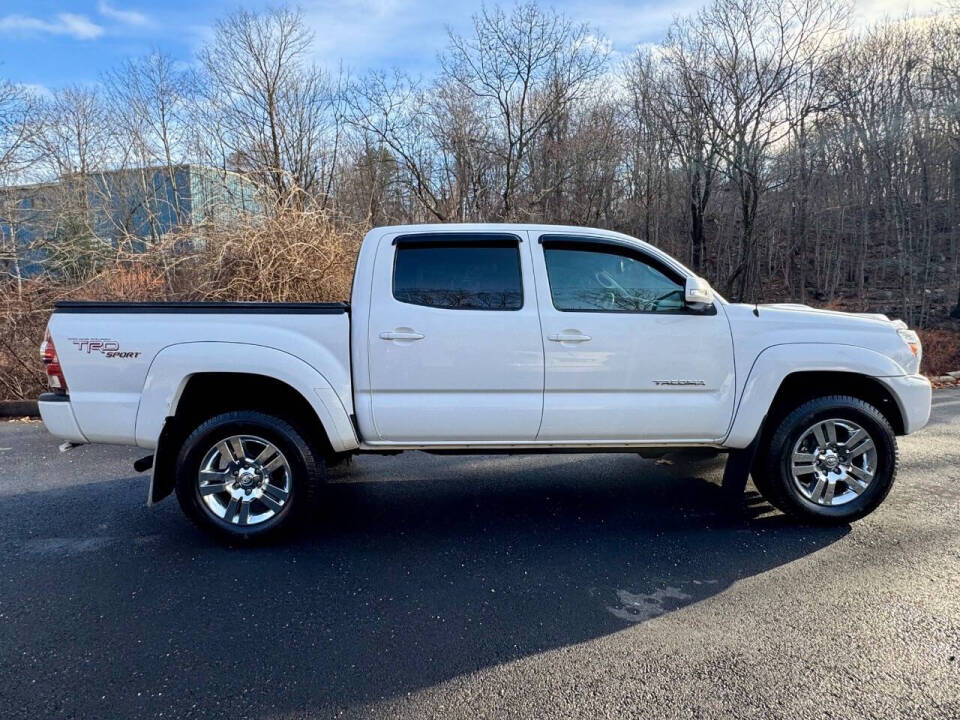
[459,272]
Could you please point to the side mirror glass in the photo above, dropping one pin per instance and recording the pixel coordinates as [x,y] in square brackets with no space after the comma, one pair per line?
[697,293]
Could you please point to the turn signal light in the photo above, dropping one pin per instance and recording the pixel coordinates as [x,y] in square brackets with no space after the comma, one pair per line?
[912,341]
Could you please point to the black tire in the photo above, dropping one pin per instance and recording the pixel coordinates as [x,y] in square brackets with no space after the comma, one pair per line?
[773,476]
[306,474]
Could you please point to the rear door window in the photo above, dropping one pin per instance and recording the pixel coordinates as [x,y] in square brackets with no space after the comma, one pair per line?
[467,273]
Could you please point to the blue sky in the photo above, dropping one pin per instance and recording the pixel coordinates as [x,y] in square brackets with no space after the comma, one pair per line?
[46,44]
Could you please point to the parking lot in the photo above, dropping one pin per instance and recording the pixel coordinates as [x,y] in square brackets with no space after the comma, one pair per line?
[543,586]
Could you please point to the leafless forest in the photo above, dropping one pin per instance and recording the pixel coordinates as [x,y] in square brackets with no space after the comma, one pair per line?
[779,149]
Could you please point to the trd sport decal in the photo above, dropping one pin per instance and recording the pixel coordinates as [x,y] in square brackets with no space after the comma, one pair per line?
[104,346]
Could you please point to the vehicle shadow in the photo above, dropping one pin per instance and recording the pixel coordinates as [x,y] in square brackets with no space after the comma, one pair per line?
[400,586]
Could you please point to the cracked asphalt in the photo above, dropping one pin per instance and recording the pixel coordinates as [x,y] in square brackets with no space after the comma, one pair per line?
[546,586]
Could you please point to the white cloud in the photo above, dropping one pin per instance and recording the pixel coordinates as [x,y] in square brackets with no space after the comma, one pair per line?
[37,90]
[365,33]
[628,24]
[127,17]
[410,33]
[79,27]
[869,11]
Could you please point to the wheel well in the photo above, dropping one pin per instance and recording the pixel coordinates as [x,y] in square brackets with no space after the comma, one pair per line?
[799,387]
[209,394]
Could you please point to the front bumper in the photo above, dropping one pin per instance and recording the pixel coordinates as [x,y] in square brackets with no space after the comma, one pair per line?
[57,414]
[913,394]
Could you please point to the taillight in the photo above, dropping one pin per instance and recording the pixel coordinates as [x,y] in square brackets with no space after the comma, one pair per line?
[51,363]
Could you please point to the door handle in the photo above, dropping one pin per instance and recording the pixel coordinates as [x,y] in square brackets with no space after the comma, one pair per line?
[573,336]
[401,335]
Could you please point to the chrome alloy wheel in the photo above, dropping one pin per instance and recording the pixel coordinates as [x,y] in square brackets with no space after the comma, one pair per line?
[833,462]
[244,480]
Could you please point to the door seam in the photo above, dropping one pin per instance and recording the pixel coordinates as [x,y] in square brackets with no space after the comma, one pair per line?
[543,347]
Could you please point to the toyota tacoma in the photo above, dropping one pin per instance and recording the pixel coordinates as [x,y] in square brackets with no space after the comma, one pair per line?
[486,339]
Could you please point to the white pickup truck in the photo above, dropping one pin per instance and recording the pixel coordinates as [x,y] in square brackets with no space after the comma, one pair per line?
[486,339]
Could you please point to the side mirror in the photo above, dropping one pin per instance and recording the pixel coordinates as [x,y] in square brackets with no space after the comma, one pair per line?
[697,293]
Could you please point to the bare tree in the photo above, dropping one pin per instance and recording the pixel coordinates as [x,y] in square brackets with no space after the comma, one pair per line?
[149,100]
[74,142]
[18,128]
[776,152]
[944,36]
[683,99]
[756,53]
[393,109]
[266,104]
[525,69]
[74,132]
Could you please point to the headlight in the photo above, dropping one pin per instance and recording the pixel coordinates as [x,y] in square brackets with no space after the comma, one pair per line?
[912,341]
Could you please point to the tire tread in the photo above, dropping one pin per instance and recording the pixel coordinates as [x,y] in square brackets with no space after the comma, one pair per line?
[774,488]
[307,491]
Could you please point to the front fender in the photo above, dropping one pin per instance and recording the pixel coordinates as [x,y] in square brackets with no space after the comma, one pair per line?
[176,364]
[775,363]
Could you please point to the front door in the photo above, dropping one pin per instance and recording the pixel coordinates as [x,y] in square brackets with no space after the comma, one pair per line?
[455,353]
[626,360]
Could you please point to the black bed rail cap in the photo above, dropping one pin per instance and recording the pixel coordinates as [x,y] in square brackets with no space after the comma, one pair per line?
[181,308]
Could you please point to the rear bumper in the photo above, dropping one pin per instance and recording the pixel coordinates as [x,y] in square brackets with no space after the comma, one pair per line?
[913,394]
[57,414]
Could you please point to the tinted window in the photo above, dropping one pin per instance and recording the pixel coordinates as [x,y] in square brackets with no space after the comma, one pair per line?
[460,275]
[607,278]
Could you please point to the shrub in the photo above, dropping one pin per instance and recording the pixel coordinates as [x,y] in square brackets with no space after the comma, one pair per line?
[23,317]
[292,256]
[941,351]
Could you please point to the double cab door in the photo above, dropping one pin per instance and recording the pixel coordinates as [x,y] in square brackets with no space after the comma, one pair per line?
[454,340]
[625,359]
[512,338]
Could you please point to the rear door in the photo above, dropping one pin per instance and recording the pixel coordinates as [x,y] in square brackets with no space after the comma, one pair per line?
[455,353]
[626,360]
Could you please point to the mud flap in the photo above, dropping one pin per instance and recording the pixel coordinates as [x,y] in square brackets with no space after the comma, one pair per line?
[737,470]
[162,479]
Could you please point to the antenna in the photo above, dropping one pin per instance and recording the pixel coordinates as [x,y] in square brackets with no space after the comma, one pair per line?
[756,294]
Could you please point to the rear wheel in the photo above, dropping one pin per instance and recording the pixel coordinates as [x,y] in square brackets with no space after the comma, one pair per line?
[246,475]
[832,460]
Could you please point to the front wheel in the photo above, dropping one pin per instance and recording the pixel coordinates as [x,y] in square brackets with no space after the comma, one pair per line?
[832,460]
[246,475]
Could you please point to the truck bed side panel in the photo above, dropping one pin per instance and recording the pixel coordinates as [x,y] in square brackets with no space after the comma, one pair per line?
[106,350]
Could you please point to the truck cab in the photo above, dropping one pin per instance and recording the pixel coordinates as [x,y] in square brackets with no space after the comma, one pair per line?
[534,337]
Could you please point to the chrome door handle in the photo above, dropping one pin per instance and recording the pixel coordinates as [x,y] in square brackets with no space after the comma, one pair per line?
[400,335]
[568,337]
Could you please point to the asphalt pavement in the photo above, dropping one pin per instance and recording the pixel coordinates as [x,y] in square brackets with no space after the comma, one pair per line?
[544,586]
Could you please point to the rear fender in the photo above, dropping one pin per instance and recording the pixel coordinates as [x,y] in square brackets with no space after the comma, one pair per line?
[175,365]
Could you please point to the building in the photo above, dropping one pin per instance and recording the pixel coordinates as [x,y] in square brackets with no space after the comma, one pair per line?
[133,206]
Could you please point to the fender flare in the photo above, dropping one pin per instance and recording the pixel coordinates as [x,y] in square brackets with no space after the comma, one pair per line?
[166,379]
[775,363]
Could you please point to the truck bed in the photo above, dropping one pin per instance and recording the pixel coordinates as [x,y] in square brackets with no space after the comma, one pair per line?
[127,362]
